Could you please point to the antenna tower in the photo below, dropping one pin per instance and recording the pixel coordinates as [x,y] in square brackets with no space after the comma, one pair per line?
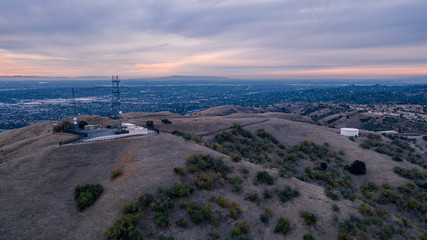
[115,102]
[74,108]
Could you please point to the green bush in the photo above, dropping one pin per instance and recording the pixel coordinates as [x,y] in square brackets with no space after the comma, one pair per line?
[253,198]
[236,157]
[166,121]
[125,227]
[131,208]
[236,187]
[310,218]
[267,194]
[203,162]
[117,172]
[86,195]
[264,217]
[179,190]
[145,199]
[307,236]
[82,124]
[240,227]
[179,170]
[287,194]
[358,167]
[264,177]
[335,207]
[163,237]
[161,219]
[200,213]
[222,201]
[235,210]
[282,226]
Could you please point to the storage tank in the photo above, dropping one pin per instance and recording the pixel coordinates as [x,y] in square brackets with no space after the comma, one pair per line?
[350,131]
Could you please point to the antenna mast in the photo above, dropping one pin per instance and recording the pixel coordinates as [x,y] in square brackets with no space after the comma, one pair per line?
[115,102]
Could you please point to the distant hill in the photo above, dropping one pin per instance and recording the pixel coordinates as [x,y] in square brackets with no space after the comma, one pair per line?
[306,162]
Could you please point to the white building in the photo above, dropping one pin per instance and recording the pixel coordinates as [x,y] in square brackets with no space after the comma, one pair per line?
[350,131]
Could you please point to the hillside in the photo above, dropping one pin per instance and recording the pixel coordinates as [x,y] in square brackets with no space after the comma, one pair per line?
[39,177]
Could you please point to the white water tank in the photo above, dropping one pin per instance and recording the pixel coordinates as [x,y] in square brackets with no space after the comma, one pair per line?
[350,131]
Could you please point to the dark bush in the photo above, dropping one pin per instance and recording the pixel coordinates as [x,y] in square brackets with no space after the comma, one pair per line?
[323,166]
[240,227]
[264,177]
[163,237]
[310,218]
[130,208]
[308,236]
[166,121]
[125,227]
[357,167]
[149,124]
[253,198]
[264,217]
[235,210]
[179,170]
[287,194]
[282,226]
[145,199]
[203,162]
[86,195]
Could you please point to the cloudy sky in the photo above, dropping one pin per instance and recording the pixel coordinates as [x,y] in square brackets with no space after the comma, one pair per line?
[236,38]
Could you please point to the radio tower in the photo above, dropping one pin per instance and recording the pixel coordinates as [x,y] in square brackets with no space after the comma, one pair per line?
[115,103]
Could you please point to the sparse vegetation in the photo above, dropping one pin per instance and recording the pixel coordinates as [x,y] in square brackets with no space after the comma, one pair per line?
[307,236]
[240,227]
[180,170]
[114,174]
[131,208]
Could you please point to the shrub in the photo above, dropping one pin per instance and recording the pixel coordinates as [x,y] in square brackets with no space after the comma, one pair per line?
[287,194]
[86,195]
[222,201]
[335,207]
[200,213]
[267,194]
[117,172]
[179,170]
[245,171]
[329,193]
[240,227]
[130,208]
[179,190]
[358,167]
[145,199]
[310,218]
[182,222]
[264,217]
[264,177]
[253,198]
[125,227]
[323,166]
[149,124]
[166,121]
[281,146]
[307,236]
[203,162]
[282,226]
[235,210]
[236,187]
[161,219]
[236,157]
[178,133]
[163,237]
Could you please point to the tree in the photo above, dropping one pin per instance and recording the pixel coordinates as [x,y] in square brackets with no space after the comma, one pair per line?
[358,167]
[149,123]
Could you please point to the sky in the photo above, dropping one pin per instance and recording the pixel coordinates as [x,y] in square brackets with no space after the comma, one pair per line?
[274,39]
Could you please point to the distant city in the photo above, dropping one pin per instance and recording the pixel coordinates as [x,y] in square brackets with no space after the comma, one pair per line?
[27,102]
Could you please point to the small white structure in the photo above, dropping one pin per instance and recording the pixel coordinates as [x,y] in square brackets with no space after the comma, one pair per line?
[128,126]
[89,127]
[350,132]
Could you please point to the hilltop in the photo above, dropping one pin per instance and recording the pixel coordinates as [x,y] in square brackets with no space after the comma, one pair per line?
[39,178]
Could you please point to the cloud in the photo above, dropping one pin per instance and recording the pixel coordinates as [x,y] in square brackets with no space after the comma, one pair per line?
[247,38]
